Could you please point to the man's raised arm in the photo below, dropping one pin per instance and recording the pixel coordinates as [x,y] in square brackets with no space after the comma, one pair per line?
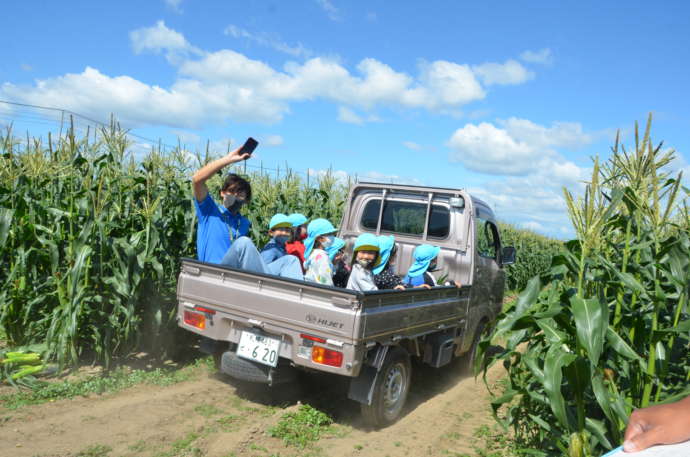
[204,173]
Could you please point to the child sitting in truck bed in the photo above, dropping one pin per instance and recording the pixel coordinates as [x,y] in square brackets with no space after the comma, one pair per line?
[341,270]
[365,257]
[384,276]
[319,238]
[299,232]
[424,260]
[280,230]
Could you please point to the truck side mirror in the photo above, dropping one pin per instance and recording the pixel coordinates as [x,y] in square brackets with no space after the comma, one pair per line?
[508,255]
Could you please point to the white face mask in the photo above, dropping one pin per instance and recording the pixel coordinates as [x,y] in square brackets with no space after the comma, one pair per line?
[328,242]
[364,263]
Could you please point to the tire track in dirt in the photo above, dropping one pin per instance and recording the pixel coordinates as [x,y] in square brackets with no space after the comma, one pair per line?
[219,417]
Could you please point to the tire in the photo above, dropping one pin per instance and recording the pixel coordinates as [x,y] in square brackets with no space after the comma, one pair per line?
[390,390]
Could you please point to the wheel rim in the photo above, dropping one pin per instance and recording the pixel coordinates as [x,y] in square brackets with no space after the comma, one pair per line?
[394,388]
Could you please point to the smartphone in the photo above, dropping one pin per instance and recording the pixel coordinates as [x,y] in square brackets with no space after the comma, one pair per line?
[249,146]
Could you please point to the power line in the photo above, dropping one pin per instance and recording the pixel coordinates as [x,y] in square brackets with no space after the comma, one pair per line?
[36,118]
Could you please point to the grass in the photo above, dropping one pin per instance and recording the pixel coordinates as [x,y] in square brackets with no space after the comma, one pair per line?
[117,380]
[207,410]
[96,450]
[302,427]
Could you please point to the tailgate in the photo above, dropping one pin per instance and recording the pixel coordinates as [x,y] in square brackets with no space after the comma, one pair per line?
[238,301]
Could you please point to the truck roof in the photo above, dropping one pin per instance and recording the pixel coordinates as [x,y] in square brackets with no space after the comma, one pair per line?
[406,187]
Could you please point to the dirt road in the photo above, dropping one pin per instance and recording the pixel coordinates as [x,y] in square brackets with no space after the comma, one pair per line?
[214,416]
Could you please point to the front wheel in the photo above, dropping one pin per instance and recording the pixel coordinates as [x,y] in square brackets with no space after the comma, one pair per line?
[390,389]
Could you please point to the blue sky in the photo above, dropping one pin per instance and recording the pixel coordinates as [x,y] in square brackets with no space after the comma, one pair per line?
[507,99]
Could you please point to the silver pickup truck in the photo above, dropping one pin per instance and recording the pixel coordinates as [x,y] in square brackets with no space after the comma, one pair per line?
[263,328]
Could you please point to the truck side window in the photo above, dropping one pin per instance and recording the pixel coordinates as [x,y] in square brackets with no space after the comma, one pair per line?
[487,239]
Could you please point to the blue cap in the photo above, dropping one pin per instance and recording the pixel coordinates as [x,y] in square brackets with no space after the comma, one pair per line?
[278,221]
[315,229]
[332,250]
[423,255]
[386,244]
[297,219]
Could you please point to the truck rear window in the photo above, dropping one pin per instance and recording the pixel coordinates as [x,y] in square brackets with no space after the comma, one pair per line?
[407,218]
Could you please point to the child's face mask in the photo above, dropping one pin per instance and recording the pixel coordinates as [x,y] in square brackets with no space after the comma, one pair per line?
[327,241]
[281,239]
[364,263]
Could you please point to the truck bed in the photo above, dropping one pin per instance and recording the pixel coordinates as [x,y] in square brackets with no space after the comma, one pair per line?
[288,309]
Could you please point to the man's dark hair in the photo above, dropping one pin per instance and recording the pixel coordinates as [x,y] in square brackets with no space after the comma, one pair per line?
[235,183]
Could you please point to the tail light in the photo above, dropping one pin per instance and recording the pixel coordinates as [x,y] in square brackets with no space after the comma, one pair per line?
[195,319]
[326,356]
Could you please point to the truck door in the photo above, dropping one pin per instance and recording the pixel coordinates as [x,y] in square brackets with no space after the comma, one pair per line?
[489,276]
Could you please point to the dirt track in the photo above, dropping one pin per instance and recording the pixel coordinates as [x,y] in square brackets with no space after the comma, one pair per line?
[214,416]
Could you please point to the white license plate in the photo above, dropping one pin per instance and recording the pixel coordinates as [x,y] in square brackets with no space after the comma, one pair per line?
[260,348]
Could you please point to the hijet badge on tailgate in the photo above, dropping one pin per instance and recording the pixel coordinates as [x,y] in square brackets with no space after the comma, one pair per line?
[312,319]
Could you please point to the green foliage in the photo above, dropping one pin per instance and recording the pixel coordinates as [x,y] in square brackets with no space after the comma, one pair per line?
[117,380]
[96,450]
[534,253]
[606,329]
[91,240]
[302,427]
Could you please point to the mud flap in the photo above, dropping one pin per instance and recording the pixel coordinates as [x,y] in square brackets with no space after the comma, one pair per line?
[362,387]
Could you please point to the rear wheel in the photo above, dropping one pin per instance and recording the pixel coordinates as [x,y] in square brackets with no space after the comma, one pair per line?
[390,389]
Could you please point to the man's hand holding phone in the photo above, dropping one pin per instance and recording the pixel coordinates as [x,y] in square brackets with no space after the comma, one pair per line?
[244,152]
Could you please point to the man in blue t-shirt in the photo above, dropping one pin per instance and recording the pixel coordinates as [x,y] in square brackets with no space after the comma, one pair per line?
[222,231]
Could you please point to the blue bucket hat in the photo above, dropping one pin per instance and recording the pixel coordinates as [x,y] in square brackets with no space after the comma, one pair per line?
[423,255]
[338,244]
[278,221]
[315,229]
[386,244]
[368,242]
[297,219]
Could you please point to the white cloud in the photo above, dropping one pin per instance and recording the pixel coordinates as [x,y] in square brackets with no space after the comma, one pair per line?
[542,56]
[510,72]
[330,9]
[532,225]
[272,140]
[389,178]
[160,38]
[347,115]
[221,86]
[412,145]
[265,39]
[520,147]
[187,137]
[174,5]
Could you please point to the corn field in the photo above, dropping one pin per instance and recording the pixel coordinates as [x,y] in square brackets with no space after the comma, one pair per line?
[91,240]
[606,329]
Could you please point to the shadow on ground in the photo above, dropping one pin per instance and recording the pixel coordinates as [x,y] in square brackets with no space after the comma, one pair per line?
[328,393]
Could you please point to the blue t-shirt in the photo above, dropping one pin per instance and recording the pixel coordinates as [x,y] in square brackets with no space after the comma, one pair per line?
[217,228]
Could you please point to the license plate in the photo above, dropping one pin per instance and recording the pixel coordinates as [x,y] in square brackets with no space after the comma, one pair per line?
[260,348]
